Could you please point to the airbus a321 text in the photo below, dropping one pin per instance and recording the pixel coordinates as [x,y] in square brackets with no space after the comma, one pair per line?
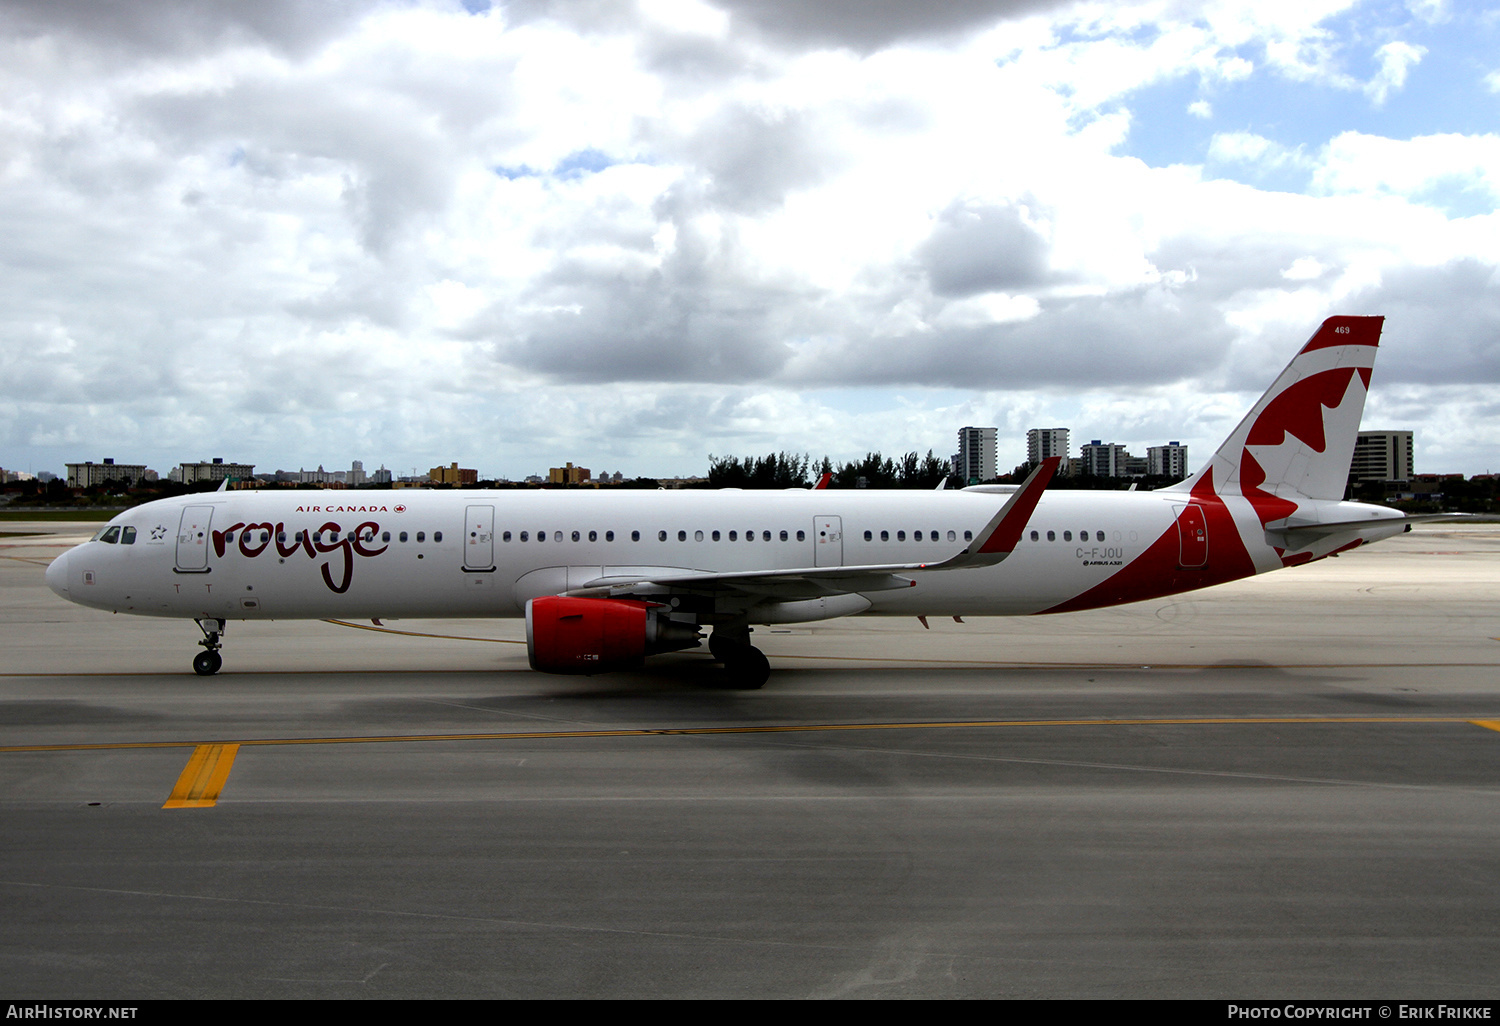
[606,578]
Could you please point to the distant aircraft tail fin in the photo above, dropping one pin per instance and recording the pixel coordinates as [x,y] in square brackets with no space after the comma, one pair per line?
[1298,440]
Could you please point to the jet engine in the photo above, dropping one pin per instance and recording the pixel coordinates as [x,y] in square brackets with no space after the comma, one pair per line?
[588,635]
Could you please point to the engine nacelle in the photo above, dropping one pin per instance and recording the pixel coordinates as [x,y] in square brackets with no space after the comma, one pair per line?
[588,635]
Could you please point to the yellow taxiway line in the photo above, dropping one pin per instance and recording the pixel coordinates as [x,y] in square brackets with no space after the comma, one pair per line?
[785,728]
[203,778]
[207,770]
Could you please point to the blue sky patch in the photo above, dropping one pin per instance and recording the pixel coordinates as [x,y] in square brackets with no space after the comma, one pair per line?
[1444,92]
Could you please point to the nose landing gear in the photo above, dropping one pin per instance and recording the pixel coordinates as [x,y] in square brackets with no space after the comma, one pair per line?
[207,662]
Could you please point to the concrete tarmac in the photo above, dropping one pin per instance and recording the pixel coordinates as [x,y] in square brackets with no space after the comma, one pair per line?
[1287,787]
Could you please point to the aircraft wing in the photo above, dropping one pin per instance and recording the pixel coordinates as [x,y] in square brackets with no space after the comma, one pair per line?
[991,545]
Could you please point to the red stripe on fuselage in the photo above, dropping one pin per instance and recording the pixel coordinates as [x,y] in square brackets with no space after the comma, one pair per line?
[1155,572]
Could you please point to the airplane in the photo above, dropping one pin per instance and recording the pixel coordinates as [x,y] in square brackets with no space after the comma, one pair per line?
[606,578]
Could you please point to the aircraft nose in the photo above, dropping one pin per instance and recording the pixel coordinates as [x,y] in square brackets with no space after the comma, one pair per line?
[57,574]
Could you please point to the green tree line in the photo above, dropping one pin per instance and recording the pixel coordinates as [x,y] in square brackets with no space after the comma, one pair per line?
[789,470]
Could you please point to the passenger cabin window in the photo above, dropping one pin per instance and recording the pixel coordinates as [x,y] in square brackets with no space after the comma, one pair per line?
[421,536]
[801,536]
[901,536]
[734,536]
[635,536]
[715,536]
[576,536]
[885,536]
[593,536]
[968,536]
[609,536]
[868,536]
[505,536]
[437,536]
[783,536]
[1052,536]
[1035,536]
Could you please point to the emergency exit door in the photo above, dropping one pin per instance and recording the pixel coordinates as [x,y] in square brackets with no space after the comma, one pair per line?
[1192,537]
[192,539]
[828,541]
[479,538]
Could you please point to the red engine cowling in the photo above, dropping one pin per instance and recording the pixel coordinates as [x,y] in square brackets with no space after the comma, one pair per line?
[588,635]
[585,635]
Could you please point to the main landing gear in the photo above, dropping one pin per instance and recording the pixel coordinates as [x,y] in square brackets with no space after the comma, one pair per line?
[207,662]
[745,666]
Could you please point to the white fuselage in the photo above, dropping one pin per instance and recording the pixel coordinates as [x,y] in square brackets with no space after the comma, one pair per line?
[468,553]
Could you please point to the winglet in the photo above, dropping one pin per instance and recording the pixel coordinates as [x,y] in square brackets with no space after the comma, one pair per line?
[823,481]
[1003,532]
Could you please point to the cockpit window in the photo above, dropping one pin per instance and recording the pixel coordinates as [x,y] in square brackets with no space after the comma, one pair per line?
[112,536]
[127,536]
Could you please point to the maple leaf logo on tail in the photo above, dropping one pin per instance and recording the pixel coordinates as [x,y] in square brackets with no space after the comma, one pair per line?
[1296,443]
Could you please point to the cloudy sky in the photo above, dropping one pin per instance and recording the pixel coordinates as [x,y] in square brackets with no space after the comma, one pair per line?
[631,233]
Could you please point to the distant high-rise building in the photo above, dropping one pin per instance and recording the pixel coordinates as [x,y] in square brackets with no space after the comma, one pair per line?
[976,454]
[568,475]
[356,475]
[86,475]
[1042,443]
[1103,459]
[213,470]
[1168,460]
[453,474]
[1382,456]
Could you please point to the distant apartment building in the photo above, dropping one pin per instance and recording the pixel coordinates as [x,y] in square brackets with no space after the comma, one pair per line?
[89,474]
[453,474]
[1043,443]
[975,460]
[568,475]
[210,470]
[1382,456]
[1170,460]
[1103,459]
